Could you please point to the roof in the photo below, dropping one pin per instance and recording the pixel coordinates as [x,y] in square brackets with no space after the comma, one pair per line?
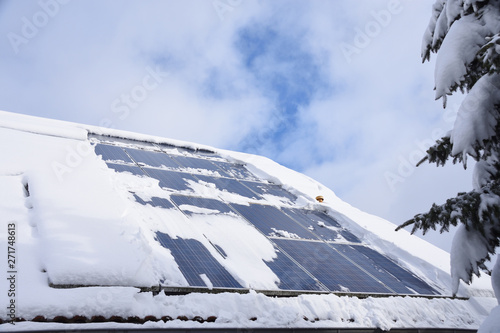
[106,225]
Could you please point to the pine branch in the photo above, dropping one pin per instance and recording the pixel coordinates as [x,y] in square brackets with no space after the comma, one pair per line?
[479,210]
[440,153]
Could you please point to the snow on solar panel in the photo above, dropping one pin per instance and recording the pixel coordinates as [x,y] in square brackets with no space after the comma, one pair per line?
[186,151]
[112,153]
[196,263]
[330,268]
[229,185]
[135,170]
[329,220]
[272,222]
[410,280]
[236,170]
[171,179]
[155,202]
[198,163]
[211,206]
[303,262]
[321,225]
[151,158]
[271,189]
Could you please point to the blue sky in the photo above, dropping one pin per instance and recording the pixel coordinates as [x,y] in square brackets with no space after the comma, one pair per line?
[333,89]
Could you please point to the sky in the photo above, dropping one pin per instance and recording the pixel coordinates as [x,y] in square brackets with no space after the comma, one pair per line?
[333,89]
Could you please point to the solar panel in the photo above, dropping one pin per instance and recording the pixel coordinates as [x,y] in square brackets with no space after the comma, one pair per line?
[171,179]
[310,245]
[198,163]
[211,206]
[155,202]
[229,185]
[329,220]
[236,170]
[112,153]
[407,278]
[321,225]
[376,271]
[135,170]
[330,268]
[273,222]
[151,158]
[291,276]
[196,263]
[271,189]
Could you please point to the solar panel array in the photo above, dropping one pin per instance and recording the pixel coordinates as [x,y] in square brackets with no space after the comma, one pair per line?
[314,252]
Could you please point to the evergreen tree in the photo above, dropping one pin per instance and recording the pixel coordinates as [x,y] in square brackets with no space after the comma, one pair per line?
[465,35]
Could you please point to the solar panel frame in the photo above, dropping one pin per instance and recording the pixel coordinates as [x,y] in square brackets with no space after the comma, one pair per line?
[194,259]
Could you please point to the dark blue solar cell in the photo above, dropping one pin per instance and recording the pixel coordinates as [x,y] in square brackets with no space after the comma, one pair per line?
[330,268]
[291,276]
[407,278]
[194,260]
[236,170]
[273,222]
[272,189]
[112,153]
[349,236]
[155,202]
[135,170]
[151,158]
[206,203]
[229,185]
[198,163]
[171,179]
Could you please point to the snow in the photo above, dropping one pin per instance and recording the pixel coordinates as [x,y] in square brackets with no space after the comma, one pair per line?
[236,310]
[459,48]
[468,247]
[476,118]
[283,233]
[79,224]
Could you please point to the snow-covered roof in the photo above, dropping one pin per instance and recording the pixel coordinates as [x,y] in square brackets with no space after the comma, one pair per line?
[105,225]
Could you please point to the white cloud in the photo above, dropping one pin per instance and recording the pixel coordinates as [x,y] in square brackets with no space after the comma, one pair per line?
[366,110]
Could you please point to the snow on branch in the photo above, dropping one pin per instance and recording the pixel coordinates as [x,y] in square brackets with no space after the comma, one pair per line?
[479,213]
[477,116]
